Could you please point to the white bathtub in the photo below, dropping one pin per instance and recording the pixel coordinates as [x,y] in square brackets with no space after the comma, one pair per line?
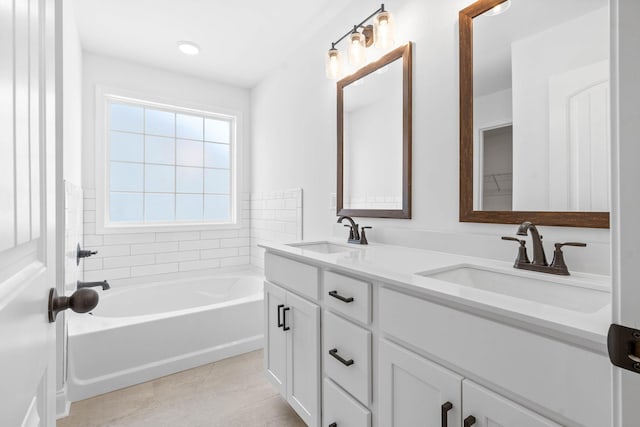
[144,332]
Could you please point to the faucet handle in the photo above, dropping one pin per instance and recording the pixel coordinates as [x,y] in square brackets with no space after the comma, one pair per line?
[513,239]
[558,257]
[522,257]
[579,244]
[350,231]
[363,236]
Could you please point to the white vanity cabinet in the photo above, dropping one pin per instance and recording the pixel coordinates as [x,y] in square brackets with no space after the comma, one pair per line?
[292,350]
[415,391]
[488,409]
[402,358]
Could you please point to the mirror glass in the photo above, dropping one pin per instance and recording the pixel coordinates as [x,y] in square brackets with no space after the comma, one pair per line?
[372,131]
[541,127]
[374,138]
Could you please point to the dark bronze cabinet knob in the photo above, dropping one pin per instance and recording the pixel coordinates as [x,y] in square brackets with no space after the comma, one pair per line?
[81,301]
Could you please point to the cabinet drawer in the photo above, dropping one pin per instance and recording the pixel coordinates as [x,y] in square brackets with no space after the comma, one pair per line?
[300,277]
[349,296]
[565,379]
[352,344]
[341,409]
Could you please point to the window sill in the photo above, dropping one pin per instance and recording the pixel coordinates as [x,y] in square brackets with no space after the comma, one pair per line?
[159,228]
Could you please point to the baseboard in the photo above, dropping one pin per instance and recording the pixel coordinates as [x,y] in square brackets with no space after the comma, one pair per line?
[63,404]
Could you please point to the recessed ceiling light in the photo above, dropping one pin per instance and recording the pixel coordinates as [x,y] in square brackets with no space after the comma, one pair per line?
[188,48]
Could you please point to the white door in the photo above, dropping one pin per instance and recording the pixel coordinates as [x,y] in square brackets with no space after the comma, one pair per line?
[625,211]
[275,352]
[302,325]
[484,408]
[27,211]
[416,392]
[579,132]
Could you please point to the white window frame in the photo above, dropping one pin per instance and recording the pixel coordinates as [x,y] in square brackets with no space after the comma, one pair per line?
[104,96]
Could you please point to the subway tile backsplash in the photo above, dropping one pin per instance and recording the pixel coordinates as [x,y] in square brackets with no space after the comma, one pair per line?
[132,257]
[276,217]
[145,256]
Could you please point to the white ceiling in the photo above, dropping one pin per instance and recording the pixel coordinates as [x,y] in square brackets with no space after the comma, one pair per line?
[240,40]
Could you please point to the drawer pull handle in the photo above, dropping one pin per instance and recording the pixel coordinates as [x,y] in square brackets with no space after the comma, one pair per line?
[335,294]
[280,322]
[469,421]
[334,353]
[333,425]
[284,318]
[446,407]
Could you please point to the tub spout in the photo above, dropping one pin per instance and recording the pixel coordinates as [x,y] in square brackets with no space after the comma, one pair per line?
[104,284]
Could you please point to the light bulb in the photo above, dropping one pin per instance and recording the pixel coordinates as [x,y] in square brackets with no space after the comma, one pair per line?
[333,64]
[497,10]
[384,30]
[356,49]
[188,48]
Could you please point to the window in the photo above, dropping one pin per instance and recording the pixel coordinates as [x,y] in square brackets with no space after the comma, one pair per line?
[168,165]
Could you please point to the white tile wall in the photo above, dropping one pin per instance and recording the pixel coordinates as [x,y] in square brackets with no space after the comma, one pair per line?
[275,217]
[136,257]
[73,218]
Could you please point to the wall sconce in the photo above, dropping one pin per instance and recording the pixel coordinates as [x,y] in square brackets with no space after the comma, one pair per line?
[381,34]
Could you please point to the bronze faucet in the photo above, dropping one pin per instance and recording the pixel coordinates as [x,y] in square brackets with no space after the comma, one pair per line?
[539,263]
[536,240]
[104,284]
[355,236]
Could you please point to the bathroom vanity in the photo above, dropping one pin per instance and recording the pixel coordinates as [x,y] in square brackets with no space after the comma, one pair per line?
[389,336]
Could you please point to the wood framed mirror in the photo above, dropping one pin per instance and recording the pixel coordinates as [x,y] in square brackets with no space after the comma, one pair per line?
[529,79]
[374,138]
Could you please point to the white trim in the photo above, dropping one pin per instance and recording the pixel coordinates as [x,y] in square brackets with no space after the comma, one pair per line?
[478,196]
[63,405]
[103,96]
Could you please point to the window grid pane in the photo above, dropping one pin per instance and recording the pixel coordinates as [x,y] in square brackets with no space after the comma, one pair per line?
[168,166]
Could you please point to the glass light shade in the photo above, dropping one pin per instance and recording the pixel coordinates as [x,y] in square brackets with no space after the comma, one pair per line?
[384,28]
[356,49]
[333,64]
[497,10]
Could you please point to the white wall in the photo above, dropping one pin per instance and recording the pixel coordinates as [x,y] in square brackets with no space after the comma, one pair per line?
[294,141]
[535,59]
[141,256]
[489,111]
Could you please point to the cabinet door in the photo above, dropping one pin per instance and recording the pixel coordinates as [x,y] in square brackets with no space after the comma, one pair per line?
[416,392]
[341,409]
[275,351]
[492,410]
[303,358]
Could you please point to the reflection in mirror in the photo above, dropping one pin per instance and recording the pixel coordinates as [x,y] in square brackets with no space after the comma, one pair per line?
[372,149]
[541,96]
[534,112]
[374,138]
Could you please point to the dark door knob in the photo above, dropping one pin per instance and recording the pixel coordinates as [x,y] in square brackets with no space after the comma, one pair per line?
[81,301]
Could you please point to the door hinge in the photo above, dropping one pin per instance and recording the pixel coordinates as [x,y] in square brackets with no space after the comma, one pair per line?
[624,347]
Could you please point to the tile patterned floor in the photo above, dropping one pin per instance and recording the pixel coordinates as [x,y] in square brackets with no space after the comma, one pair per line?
[229,393]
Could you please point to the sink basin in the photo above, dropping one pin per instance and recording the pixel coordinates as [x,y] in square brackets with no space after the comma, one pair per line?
[322,247]
[559,293]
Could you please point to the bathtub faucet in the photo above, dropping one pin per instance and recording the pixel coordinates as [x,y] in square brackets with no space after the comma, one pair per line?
[104,285]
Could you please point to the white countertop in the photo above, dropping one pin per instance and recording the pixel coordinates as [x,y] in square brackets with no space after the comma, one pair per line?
[398,265]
